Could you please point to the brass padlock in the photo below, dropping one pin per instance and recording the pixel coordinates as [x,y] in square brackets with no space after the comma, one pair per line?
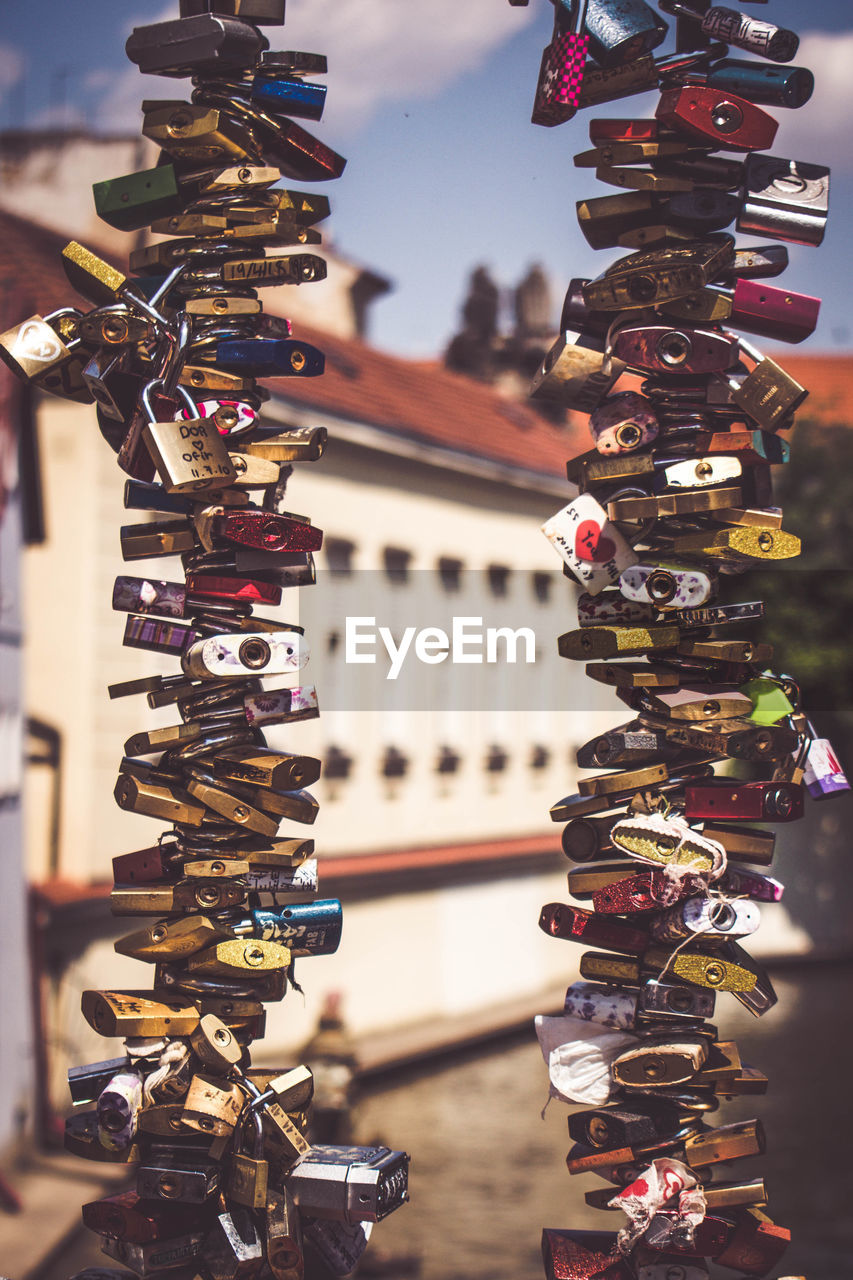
[212,1105]
[197,133]
[35,352]
[138,1013]
[249,1174]
[189,454]
[215,1044]
[283,1234]
[171,939]
[301,444]
[240,957]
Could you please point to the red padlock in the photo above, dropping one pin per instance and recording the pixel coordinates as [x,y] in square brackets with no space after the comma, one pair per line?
[728,121]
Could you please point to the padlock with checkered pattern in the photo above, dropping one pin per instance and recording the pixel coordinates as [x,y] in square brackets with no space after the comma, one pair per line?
[562,69]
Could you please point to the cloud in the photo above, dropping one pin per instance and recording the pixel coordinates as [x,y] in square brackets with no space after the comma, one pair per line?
[386,50]
[818,131]
[379,51]
[13,62]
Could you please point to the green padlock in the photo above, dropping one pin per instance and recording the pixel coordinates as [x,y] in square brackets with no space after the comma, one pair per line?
[771,702]
[138,199]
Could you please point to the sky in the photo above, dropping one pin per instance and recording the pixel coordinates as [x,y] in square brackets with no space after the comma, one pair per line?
[430,102]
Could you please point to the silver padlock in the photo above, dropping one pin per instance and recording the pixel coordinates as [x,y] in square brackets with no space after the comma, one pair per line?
[578,372]
[785,199]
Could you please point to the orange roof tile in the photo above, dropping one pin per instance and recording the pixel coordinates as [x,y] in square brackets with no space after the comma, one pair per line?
[417,400]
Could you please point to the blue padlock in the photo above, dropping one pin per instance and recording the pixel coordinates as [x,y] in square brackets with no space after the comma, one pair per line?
[767,84]
[269,357]
[289,96]
[307,928]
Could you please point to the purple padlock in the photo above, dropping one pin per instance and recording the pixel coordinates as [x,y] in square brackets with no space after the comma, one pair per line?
[823,775]
[624,422]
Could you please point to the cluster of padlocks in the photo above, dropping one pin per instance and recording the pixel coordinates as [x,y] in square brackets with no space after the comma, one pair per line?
[227,1186]
[674,503]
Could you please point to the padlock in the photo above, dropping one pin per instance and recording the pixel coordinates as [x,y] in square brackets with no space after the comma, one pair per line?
[824,775]
[659,276]
[127,1217]
[339,1244]
[158,636]
[237,957]
[769,85]
[667,585]
[613,642]
[660,348]
[189,454]
[668,841]
[237,656]
[233,1248]
[235,809]
[350,1184]
[212,1105]
[562,70]
[266,768]
[118,1107]
[35,352]
[305,928]
[611,607]
[706,918]
[725,119]
[265,531]
[559,920]
[290,95]
[283,1237]
[198,45]
[134,200]
[156,1256]
[183,1181]
[639,1120]
[577,372]
[607,84]
[248,1174]
[136,1013]
[261,13]
[739,29]
[660,1064]
[591,547]
[158,800]
[786,199]
[171,938]
[302,444]
[756,1244]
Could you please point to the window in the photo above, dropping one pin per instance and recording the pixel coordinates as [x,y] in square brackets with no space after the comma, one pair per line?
[336,763]
[450,573]
[396,562]
[498,579]
[542,587]
[339,553]
[394,763]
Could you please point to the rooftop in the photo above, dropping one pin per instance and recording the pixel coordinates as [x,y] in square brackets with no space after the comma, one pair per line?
[417,401]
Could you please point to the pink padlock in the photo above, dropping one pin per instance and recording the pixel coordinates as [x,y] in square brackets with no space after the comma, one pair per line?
[623,423]
[562,69]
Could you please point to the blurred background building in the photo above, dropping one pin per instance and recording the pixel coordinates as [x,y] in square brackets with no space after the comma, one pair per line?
[433,826]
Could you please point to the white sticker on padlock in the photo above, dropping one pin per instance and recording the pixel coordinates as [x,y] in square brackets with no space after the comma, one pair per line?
[592,547]
[242,653]
[698,473]
[666,587]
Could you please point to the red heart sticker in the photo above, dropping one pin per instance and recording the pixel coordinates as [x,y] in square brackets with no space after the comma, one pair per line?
[591,544]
